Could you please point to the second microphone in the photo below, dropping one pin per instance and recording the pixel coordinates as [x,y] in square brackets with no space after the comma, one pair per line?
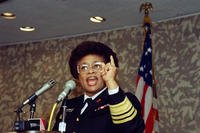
[69,85]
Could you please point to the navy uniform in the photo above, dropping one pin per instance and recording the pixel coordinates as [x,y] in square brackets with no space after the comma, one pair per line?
[117,113]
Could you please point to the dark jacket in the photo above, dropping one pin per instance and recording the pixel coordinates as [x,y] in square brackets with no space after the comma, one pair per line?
[109,114]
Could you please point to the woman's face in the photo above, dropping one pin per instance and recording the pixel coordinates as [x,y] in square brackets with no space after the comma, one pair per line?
[89,68]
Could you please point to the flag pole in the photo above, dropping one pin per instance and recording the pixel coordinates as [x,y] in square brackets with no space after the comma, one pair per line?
[147,7]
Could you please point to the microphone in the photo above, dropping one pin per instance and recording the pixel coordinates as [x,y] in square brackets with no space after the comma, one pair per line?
[34,96]
[69,85]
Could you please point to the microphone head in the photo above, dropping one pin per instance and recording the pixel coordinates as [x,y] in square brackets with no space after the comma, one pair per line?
[45,87]
[69,85]
[51,82]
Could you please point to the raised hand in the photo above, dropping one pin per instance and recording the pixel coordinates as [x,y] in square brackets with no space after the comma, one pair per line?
[109,73]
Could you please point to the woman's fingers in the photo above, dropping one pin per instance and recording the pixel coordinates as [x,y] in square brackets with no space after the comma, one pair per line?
[112,62]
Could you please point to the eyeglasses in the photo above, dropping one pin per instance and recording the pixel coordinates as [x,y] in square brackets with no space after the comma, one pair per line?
[84,68]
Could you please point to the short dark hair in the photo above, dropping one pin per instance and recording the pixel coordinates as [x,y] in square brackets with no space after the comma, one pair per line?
[90,47]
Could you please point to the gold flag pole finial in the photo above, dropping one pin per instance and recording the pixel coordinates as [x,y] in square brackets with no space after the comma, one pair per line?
[146,7]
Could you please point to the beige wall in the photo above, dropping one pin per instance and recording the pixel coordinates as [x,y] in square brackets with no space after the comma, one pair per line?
[25,67]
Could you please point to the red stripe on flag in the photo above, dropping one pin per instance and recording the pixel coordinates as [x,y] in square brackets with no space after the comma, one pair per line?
[150,122]
[156,114]
[137,80]
[143,99]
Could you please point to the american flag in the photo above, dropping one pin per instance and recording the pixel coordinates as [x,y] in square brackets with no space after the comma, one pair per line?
[145,89]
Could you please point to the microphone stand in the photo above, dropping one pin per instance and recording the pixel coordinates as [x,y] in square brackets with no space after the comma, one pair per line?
[20,125]
[32,109]
[62,124]
[18,111]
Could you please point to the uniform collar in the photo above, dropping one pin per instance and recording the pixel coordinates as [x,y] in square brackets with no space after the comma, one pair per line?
[94,96]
